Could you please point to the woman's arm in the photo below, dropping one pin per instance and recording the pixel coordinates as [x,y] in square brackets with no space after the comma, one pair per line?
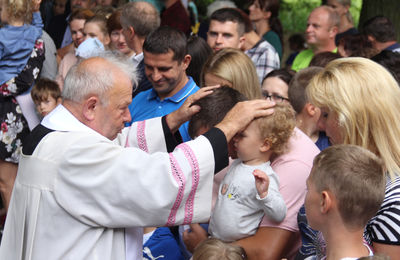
[28,75]
[267,243]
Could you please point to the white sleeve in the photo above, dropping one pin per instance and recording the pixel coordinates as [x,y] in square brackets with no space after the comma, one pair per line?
[147,135]
[116,187]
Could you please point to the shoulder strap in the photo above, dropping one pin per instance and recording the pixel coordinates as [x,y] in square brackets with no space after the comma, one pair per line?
[34,138]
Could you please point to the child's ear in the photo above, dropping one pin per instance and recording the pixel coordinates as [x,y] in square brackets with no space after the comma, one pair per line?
[311,109]
[326,201]
[266,146]
[59,100]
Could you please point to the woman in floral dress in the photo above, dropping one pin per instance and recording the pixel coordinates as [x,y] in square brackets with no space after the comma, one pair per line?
[13,125]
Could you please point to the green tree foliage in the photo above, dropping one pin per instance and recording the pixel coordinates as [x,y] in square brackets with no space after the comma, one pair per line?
[294,13]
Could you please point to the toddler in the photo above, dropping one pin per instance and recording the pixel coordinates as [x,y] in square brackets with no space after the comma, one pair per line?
[17,37]
[243,199]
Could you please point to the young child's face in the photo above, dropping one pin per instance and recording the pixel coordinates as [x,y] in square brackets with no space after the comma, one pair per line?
[59,7]
[312,203]
[248,143]
[47,105]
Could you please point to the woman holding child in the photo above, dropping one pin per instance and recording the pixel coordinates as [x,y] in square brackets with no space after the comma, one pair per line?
[272,240]
[359,103]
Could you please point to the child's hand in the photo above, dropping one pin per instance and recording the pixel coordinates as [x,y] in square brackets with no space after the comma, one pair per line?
[262,183]
[36,5]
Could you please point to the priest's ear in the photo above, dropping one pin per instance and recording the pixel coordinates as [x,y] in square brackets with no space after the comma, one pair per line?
[90,108]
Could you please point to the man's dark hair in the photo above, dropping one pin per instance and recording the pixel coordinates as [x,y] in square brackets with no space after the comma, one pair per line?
[391,61]
[357,45]
[248,25]
[284,74]
[323,58]
[230,15]
[214,107]
[199,50]
[164,39]
[381,28]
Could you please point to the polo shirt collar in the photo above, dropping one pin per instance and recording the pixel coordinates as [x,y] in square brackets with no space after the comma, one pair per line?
[179,96]
[393,46]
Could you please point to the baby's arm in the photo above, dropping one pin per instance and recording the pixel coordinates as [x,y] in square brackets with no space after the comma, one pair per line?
[262,183]
[268,193]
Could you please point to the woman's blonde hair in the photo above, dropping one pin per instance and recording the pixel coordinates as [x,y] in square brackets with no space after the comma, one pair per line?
[18,10]
[365,97]
[237,68]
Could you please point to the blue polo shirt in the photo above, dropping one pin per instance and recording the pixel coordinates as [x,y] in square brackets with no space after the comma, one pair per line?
[147,105]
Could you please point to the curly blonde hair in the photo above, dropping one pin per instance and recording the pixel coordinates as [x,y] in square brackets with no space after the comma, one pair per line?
[18,10]
[278,127]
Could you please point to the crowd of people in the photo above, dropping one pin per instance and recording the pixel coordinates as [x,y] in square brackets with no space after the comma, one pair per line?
[135,130]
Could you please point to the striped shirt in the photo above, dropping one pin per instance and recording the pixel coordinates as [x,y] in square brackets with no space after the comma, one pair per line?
[385,226]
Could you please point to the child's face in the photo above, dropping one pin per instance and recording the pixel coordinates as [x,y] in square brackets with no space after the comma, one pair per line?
[59,7]
[312,203]
[248,144]
[47,105]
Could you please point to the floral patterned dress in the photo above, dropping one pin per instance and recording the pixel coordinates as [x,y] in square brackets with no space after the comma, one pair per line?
[14,127]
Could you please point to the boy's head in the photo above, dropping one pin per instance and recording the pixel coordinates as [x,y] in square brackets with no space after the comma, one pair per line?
[213,109]
[346,178]
[297,87]
[266,134]
[46,95]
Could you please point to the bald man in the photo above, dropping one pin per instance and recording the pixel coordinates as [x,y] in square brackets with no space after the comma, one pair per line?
[322,27]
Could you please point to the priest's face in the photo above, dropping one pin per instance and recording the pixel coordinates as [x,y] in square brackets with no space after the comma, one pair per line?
[114,112]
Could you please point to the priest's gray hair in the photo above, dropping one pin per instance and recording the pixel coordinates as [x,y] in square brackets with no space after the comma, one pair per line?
[83,81]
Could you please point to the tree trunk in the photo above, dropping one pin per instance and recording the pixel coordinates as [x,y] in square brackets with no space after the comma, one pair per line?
[387,8]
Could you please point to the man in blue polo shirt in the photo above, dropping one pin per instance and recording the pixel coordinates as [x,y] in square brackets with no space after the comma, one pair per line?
[166,61]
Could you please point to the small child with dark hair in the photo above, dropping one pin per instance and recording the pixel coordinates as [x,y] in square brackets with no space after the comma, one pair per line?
[307,115]
[243,199]
[346,188]
[46,95]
